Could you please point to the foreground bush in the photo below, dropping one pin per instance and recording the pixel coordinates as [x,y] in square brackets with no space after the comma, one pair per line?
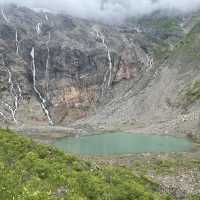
[29,171]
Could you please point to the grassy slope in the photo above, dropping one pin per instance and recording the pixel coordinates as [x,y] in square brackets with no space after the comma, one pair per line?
[189,45]
[164,31]
[190,94]
[187,50]
[29,171]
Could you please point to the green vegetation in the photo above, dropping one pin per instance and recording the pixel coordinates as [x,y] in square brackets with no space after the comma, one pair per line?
[29,171]
[2,86]
[191,94]
[161,51]
[170,25]
[166,165]
[189,45]
[163,32]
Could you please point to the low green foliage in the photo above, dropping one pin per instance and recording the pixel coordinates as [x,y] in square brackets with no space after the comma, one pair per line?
[164,31]
[194,197]
[161,51]
[29,171]
[191,94]
[189,45]
[163,23]
[166,166]
[167,24]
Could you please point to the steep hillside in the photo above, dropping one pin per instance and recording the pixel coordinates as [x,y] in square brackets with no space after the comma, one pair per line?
[61,75]
[60,66]
[166,99]
[30,171]
[61,71]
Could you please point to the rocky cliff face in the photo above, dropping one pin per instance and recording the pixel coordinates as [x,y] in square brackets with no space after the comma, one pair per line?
[54,68]
[165,99]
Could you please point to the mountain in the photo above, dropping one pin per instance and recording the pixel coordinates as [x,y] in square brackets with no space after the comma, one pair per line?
[61,75]
[60,70]
[66,64]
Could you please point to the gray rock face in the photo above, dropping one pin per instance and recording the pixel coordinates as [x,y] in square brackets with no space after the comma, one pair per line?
[55,69]
[76,64]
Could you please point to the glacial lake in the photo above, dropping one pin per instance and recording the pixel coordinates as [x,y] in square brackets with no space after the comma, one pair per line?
[122,144]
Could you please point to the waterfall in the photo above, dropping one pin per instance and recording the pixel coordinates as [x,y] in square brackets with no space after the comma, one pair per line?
[16,95]
[17,42]
[4,116]
[38,28]
[20,92]
[42,100]
[100,36]
[13,111]
[4,16]
[47,63]
[10,81]
[46,17]
[110,67]
[150,62]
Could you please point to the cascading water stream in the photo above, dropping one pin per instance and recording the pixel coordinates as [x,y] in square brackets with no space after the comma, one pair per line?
[110,67]
[4,16]
[13,110]
[15,93]
[17,42]
[47,65]
[4,116]
[101,37]
[46,17]
[42,100]
[38,28]
[151,62]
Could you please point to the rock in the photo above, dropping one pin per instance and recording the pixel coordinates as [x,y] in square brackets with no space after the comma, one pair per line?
[71,65]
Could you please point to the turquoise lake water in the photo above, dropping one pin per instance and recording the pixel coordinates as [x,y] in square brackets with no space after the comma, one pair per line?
[122,144]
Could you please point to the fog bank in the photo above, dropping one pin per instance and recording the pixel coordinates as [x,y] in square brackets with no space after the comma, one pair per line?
[109,10]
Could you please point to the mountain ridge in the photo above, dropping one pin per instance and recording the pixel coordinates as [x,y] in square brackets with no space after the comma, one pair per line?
[71,69]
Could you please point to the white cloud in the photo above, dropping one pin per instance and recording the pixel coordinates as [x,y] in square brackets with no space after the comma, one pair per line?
[115,10]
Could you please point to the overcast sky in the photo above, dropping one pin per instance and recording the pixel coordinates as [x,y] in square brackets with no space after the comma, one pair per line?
[114,9]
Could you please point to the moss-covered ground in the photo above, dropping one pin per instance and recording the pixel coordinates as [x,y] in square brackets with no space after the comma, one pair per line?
[190,94]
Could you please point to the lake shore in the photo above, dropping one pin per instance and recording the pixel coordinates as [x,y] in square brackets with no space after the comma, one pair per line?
[176,173]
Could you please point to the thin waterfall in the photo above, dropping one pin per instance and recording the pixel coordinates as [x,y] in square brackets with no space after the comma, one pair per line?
[46,17]
[17,42]
[47,64]
[38,28]
[106,81]
[42,100]
[4,16]
[16,94]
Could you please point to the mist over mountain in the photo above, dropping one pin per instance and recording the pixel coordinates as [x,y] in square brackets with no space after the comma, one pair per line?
[111,11]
